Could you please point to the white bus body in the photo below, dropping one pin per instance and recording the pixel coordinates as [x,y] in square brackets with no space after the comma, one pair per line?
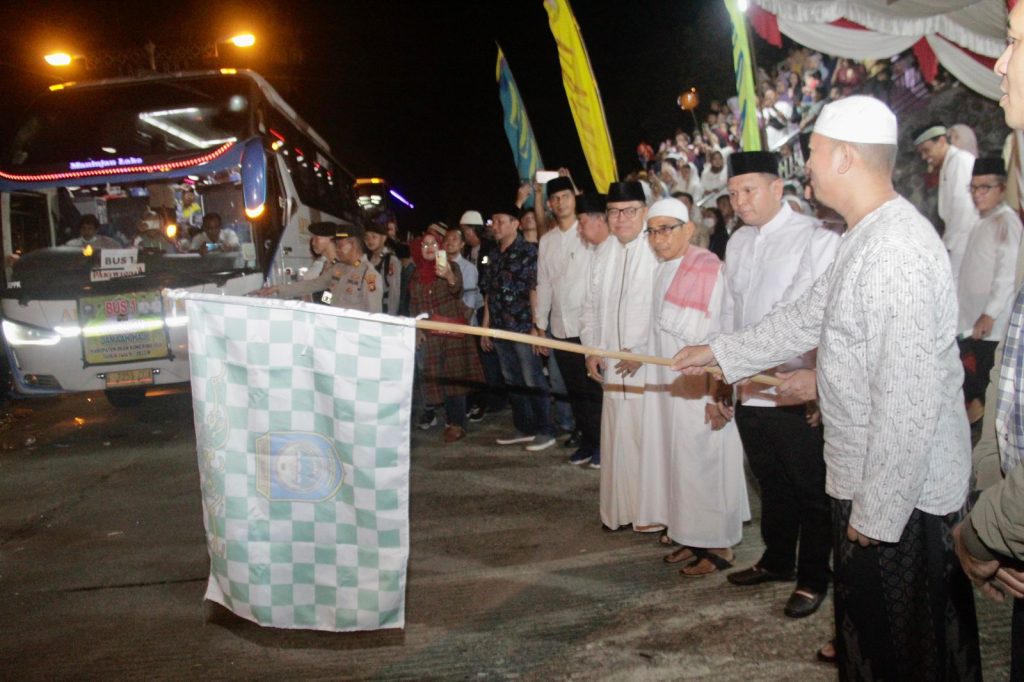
[77,318]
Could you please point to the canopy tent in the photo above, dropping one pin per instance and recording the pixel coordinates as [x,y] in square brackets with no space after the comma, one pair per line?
[964,36]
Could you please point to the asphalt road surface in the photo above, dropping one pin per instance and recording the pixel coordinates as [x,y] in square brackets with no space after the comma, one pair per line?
[103,567]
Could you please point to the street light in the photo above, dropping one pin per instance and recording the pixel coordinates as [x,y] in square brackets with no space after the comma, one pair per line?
[243,40]
[58,59]
[177,53]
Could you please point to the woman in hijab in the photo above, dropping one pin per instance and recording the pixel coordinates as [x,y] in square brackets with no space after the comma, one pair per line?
[961,135]
[689,181]
[450,366]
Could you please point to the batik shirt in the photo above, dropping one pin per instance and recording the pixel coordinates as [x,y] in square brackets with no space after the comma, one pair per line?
[511,276]
[883,318]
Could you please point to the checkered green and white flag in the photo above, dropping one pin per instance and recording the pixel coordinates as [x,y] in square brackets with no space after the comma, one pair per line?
[302,426]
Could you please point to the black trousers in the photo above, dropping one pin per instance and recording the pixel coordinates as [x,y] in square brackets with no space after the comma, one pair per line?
[785,454]
[1017,641]
[904,611]
[978,358]
[585,395]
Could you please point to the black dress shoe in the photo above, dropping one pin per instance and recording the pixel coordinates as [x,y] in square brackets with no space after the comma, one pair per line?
[803,603]
[755,575]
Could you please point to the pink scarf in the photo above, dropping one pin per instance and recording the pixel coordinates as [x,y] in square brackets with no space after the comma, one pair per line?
[695,280]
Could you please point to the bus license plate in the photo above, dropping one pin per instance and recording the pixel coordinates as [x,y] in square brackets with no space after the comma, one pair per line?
[129,377]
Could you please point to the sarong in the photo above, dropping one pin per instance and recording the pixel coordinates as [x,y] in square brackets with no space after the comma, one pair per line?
[904,611]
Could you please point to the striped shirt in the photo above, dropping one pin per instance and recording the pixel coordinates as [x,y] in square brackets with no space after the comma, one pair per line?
[1009,420]
[889,374]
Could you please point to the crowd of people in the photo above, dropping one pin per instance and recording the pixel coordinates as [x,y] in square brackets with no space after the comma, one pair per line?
[817,323]
[692,166]
[179,227]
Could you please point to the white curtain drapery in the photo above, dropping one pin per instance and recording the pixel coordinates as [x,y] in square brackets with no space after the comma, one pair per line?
[979,26]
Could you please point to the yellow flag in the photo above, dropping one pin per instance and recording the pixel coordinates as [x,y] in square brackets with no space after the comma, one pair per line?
[584,97]
[750,133]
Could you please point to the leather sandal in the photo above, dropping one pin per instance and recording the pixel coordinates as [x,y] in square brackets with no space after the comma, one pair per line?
[706,563]
[681,554]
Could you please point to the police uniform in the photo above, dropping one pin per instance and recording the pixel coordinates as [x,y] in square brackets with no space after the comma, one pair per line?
[389,270]
[356,286]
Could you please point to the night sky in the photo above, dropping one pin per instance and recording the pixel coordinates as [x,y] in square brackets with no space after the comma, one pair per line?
[406,90]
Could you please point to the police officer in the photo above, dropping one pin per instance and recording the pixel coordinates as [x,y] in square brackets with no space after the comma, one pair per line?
[386,263]
[349,281]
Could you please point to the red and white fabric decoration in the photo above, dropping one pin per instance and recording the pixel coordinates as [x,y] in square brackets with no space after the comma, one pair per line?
[965,37]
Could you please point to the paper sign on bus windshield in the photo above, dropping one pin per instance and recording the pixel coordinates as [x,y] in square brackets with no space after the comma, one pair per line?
[116,263]
[125,327]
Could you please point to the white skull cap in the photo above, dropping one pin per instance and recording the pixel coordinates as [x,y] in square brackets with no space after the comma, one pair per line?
[669,208]
[859,119]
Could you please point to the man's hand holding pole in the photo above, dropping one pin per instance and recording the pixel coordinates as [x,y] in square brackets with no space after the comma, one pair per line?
[694,360]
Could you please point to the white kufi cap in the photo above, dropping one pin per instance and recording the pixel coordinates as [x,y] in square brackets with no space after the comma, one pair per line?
[669,208]
[471,218]
[859,119]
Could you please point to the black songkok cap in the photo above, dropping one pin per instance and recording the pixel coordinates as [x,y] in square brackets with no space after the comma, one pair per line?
[349,230]
[626,191]
[591,203]
[324,229]
[741,163]
[511,210]
[559,184]
[989,166]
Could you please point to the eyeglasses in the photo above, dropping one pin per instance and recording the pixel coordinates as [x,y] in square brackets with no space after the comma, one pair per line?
[983,189]
[630,212]
[652,232]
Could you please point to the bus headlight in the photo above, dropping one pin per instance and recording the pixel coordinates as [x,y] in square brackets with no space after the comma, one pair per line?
[25,335]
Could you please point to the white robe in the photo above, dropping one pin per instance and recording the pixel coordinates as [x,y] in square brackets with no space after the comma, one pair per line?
[986,283]
[955,205]
[616,316]
[691,477]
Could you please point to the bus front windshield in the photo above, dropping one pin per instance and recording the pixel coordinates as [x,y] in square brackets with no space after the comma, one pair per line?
[151,120]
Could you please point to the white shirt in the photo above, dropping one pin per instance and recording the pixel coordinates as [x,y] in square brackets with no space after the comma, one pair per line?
[562,264]
[889,373]
[617,307]
[227,238]
[955,206]
[693,186]
[776,136]
[986,282]
[770,266]
[100,241]
[713,182]
[471,296]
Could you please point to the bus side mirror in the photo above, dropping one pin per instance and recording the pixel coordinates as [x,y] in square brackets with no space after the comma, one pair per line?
[254,178]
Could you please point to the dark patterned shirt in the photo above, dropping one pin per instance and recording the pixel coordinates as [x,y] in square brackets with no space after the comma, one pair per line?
[511,276]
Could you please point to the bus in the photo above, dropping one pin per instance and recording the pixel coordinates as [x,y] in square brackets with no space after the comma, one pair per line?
[372,197]
[176,146]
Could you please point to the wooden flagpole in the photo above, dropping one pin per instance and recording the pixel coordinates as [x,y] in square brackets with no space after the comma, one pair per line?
[451,328]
